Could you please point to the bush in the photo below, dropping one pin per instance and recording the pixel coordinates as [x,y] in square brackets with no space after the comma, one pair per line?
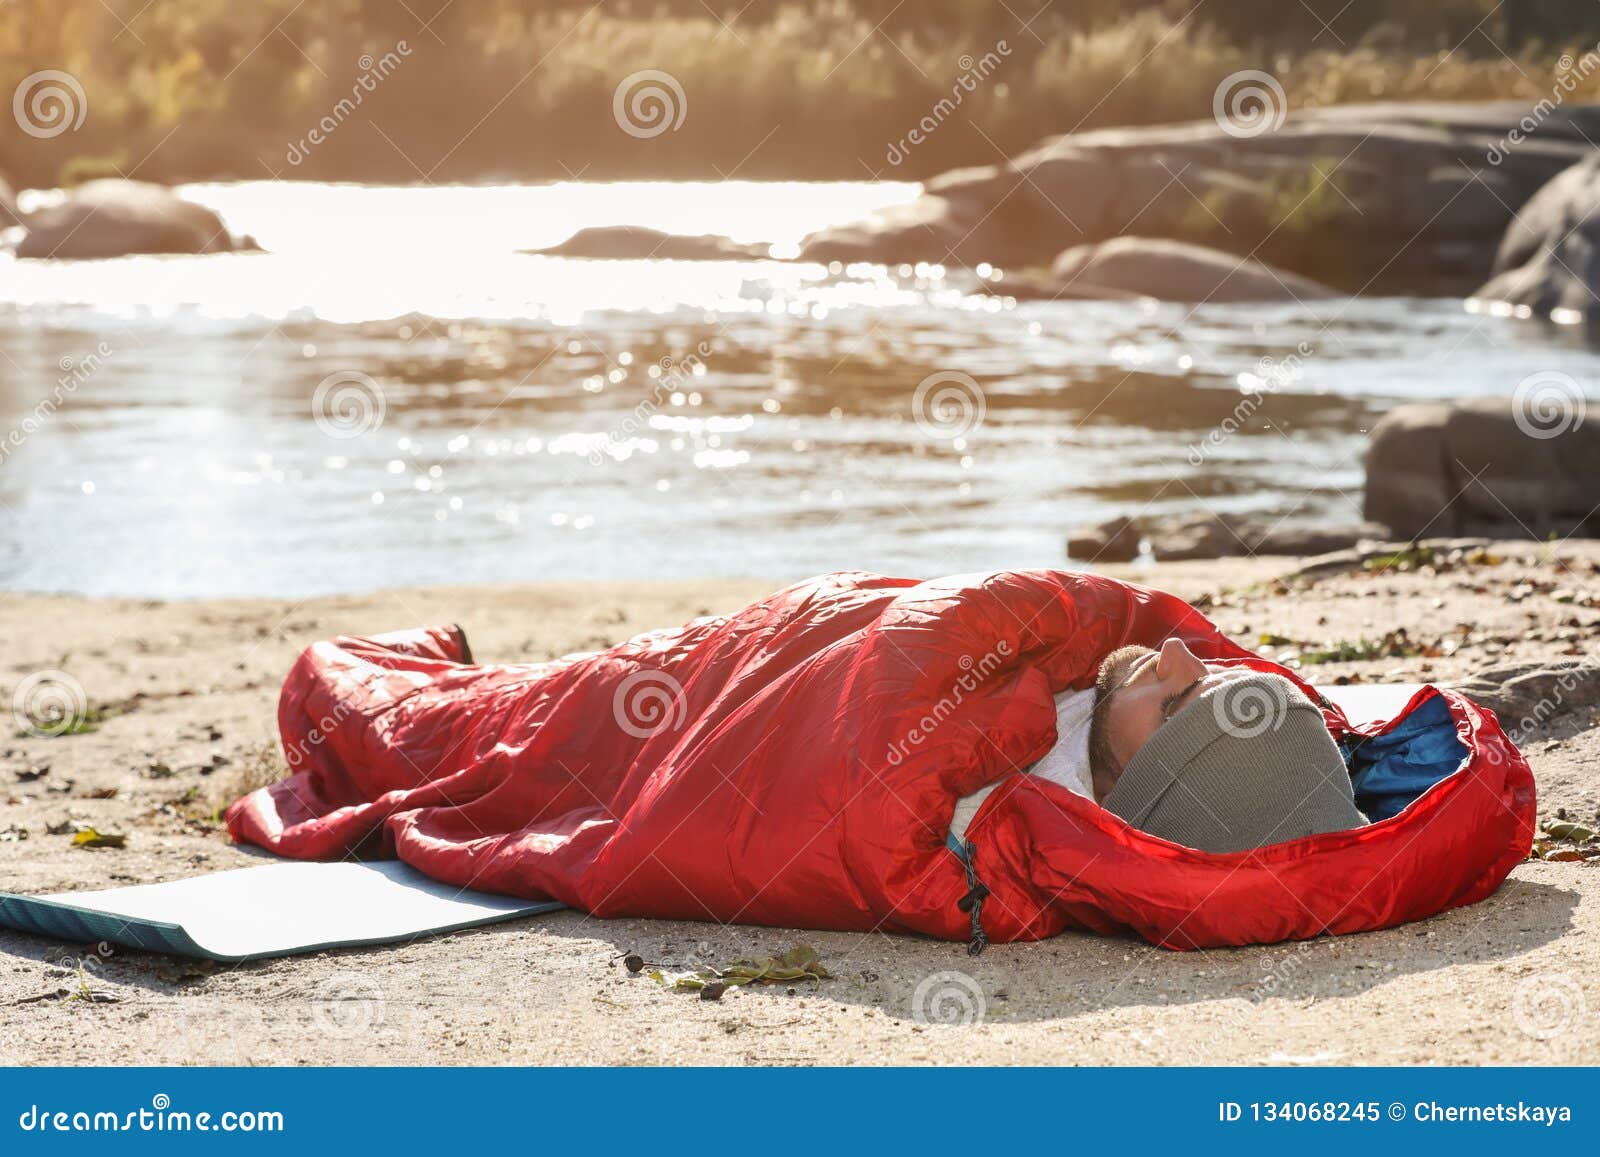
[503,89]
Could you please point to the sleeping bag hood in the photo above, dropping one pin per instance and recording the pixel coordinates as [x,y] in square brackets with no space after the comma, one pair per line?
[797,763]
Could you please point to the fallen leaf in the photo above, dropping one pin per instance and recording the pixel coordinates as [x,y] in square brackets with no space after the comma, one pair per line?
[799,963]
[90,838]
[1562,830]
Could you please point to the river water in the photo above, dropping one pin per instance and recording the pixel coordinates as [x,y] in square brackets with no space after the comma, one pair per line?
[394,395]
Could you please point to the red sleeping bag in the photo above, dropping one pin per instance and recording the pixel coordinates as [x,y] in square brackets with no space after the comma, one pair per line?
[797,763]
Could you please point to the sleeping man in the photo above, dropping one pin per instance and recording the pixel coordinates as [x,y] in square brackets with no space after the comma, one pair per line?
[1216,758]
[795,762]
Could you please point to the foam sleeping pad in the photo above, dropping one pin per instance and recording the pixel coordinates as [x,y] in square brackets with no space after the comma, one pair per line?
[277,909]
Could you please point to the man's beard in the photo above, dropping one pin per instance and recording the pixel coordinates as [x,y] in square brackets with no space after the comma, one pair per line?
[1114,670]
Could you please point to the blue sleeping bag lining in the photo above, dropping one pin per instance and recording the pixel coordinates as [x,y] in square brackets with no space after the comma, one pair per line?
[1389,772]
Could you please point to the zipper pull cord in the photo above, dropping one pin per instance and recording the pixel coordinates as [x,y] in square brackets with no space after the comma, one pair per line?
[972,902]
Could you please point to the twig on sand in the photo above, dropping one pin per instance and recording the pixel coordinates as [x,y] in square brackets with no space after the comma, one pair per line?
[54,994]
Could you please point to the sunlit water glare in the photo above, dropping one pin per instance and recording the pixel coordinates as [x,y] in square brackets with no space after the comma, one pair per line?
[491,416]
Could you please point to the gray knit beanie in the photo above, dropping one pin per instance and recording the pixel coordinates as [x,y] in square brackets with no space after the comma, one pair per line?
[1247,763]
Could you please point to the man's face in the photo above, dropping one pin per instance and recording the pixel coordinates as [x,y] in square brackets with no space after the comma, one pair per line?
[1139,690]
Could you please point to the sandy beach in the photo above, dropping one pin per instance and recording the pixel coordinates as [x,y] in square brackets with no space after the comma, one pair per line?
[187,692]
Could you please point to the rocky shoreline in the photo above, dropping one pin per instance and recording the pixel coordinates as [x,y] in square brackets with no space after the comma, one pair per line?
[1377,198]
[1524,466]
[1417,198]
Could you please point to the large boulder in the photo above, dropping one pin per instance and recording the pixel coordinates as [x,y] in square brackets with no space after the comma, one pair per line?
[1548,263]
[115,218]
[1168,270]
[1505,467]
[925,229]
[1404,196]
[636,243]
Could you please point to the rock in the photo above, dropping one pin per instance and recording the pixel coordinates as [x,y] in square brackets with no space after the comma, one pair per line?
[1210,536]
[1527,697]
[1228,536]
[1399,195]
[1548,263]
[1309,541]
[1116,540]
[1168,270]
[927,229]
[1409,478]
[1205,536]
[1500,467]
[632,243]
[115,218]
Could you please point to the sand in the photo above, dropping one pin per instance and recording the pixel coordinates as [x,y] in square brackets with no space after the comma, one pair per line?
[193,687]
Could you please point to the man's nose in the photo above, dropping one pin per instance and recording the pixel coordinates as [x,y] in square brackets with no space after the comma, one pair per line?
[1176,662]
